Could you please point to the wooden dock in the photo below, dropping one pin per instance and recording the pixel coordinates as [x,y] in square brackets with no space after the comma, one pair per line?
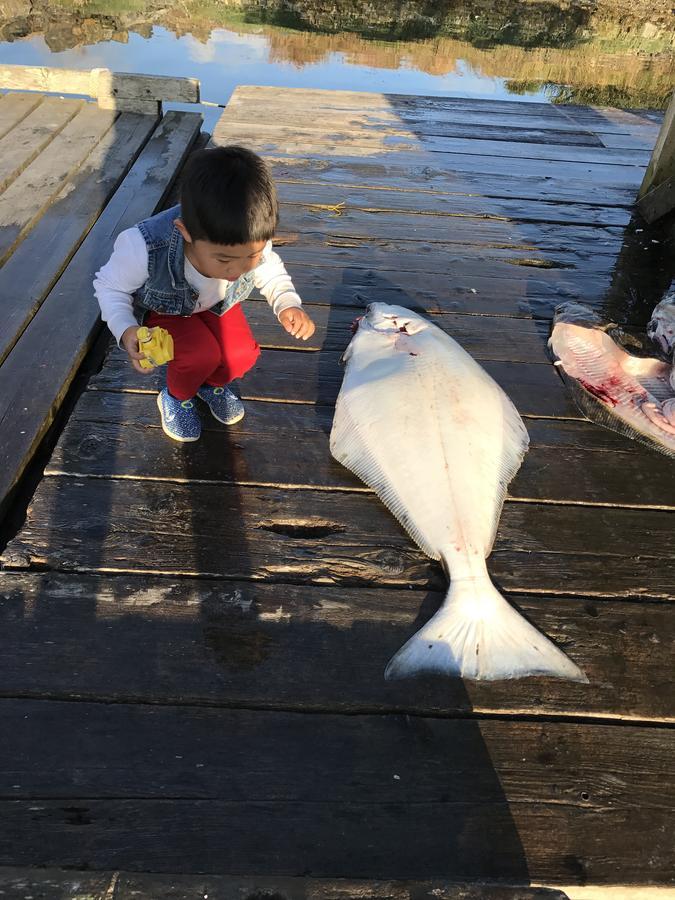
[194,636]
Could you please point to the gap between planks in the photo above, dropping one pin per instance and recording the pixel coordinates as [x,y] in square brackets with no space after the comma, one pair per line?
[478,712]
[295,486]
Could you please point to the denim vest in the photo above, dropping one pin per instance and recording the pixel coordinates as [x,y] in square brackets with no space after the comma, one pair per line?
[166,290]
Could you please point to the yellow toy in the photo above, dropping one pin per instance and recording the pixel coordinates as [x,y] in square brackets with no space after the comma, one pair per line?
[156,344]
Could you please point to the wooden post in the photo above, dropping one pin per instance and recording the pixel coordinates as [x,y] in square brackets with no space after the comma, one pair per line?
[113,90]
[656,196]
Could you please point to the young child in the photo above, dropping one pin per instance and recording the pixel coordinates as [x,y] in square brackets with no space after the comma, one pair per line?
[187,270]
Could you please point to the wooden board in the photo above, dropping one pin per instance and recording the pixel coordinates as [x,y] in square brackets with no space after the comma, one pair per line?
[499,290]
[14,108]
[453,210]
[328,537]
[20,145]
[167,769]
[347,219]
[305,377]
[591,186]
[58,233]
[54,884]
[29,195]
[64,321]
[405,125]
[568,462]
[268,138]
[250,644]
[99,82]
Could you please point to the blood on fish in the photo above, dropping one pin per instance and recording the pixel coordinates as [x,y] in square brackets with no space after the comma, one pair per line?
[403,329]
[355,324]
[600,391]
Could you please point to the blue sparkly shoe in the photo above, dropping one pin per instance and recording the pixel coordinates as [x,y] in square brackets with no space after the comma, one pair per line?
[180,419]
[224,405]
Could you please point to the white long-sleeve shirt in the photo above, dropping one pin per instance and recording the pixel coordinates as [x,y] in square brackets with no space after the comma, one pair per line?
[127,270]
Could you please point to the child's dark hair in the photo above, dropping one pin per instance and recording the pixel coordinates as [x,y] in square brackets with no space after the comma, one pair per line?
[228,197]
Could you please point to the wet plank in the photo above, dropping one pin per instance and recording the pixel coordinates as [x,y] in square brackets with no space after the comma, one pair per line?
[58,233]
[55,884]
[488,337]
[63,328]
[306,377]
[126,525]
[420,256]
[151,639]
[424,177]
[119,434]
[449,218]
[405,125]
[270,138]
[376,214]
[29,195]
[488,289]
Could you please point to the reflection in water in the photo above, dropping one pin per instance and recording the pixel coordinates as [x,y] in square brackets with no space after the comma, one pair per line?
[584,53]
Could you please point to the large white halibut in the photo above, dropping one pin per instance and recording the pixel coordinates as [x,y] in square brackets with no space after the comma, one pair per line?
[419,421]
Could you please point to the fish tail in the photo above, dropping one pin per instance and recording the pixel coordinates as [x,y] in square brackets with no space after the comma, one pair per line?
[476,634]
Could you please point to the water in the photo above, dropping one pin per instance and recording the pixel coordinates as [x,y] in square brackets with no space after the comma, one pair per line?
[479,48]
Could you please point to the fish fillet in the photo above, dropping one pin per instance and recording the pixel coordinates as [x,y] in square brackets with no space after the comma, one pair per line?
[629,394]
[421,423]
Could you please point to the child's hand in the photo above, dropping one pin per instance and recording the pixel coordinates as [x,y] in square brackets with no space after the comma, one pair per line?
[296,322]
[129,341]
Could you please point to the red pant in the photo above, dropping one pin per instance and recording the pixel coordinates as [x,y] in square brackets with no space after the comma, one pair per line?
[208,349]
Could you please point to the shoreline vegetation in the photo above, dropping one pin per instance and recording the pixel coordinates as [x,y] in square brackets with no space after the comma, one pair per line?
[594,52]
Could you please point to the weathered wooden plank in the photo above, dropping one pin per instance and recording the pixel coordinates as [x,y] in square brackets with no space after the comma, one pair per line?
[403,125]
[32,135]
[316,249]
[142,107]
[301,377]
[57,884]
[615,177]
[488,337]
[452,210]
[422,117]
[348,538]
[54,884]
[14,108]
[54,239]
[343,759]
[461,841]
[118,434]
[42,78]
[125,86]
[270,138]
[421,176]
[419,110]
[351,218]
[415,103]
[29,195]
[150,639]
[100,82]
[483,289]
[62,330]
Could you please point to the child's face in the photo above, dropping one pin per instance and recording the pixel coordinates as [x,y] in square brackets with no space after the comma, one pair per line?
[227,261]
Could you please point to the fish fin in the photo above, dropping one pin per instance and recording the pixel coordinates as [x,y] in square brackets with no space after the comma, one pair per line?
[477,635]
[349,448]
[514,446]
